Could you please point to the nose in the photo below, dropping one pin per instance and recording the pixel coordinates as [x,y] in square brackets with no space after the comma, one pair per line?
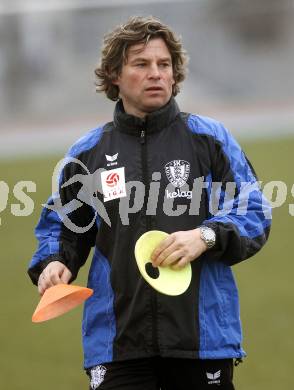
[154,72]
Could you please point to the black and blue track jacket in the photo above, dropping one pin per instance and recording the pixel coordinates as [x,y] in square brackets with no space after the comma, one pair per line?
[165,152]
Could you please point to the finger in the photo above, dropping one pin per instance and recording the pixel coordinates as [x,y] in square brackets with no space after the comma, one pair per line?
[66,276]
[181,263]
[173,258]
[53,272]
[161,247]
[55,278]
[50,276]
[164,255]
[42,284]
[46,278]
[41,288]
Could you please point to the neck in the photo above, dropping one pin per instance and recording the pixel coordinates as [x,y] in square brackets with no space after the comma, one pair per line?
[153,121]
[133,111]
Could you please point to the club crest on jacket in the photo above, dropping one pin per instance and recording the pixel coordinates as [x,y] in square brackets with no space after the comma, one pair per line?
[177,172]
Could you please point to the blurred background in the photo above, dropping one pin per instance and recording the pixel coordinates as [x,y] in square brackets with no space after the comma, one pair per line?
[240,72]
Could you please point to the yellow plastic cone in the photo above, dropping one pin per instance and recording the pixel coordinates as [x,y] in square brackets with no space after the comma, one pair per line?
[169,281]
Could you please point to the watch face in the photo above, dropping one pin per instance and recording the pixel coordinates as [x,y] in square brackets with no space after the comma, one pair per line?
[209,234]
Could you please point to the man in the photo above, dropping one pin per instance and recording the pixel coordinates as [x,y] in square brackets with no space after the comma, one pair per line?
[162,170]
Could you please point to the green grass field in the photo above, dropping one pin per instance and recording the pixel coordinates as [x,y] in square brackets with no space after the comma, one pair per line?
[49,355]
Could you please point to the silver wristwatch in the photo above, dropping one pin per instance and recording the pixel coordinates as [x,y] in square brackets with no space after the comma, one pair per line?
[208,236]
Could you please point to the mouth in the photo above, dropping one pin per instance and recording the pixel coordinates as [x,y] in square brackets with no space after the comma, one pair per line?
[154,89]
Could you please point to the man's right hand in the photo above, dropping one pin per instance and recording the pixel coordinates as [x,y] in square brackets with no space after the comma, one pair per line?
[55,273]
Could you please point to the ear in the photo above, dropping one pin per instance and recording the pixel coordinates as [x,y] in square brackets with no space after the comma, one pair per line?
[173,80]
[115,82]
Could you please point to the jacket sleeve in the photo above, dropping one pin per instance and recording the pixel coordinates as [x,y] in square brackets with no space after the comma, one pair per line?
[238,212]
[66,230]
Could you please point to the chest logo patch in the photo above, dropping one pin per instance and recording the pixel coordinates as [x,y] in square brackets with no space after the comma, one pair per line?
[177,172]
[113,184]
[111,160]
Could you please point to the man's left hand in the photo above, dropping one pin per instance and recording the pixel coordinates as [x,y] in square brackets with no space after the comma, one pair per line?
[178,249]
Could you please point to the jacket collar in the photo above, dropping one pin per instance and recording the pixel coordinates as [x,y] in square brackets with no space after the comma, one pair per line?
[154,121]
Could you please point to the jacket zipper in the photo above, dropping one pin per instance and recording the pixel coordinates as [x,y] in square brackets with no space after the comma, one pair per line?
[148,227]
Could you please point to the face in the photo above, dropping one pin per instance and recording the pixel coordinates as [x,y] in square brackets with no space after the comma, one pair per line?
[146,79]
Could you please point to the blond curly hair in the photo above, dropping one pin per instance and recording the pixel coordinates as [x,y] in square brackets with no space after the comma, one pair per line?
[115,49]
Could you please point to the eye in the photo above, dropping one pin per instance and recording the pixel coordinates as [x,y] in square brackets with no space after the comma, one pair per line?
[165,65]
[140,64]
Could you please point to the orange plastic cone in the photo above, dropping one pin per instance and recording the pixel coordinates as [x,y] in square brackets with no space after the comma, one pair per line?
[58,300]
